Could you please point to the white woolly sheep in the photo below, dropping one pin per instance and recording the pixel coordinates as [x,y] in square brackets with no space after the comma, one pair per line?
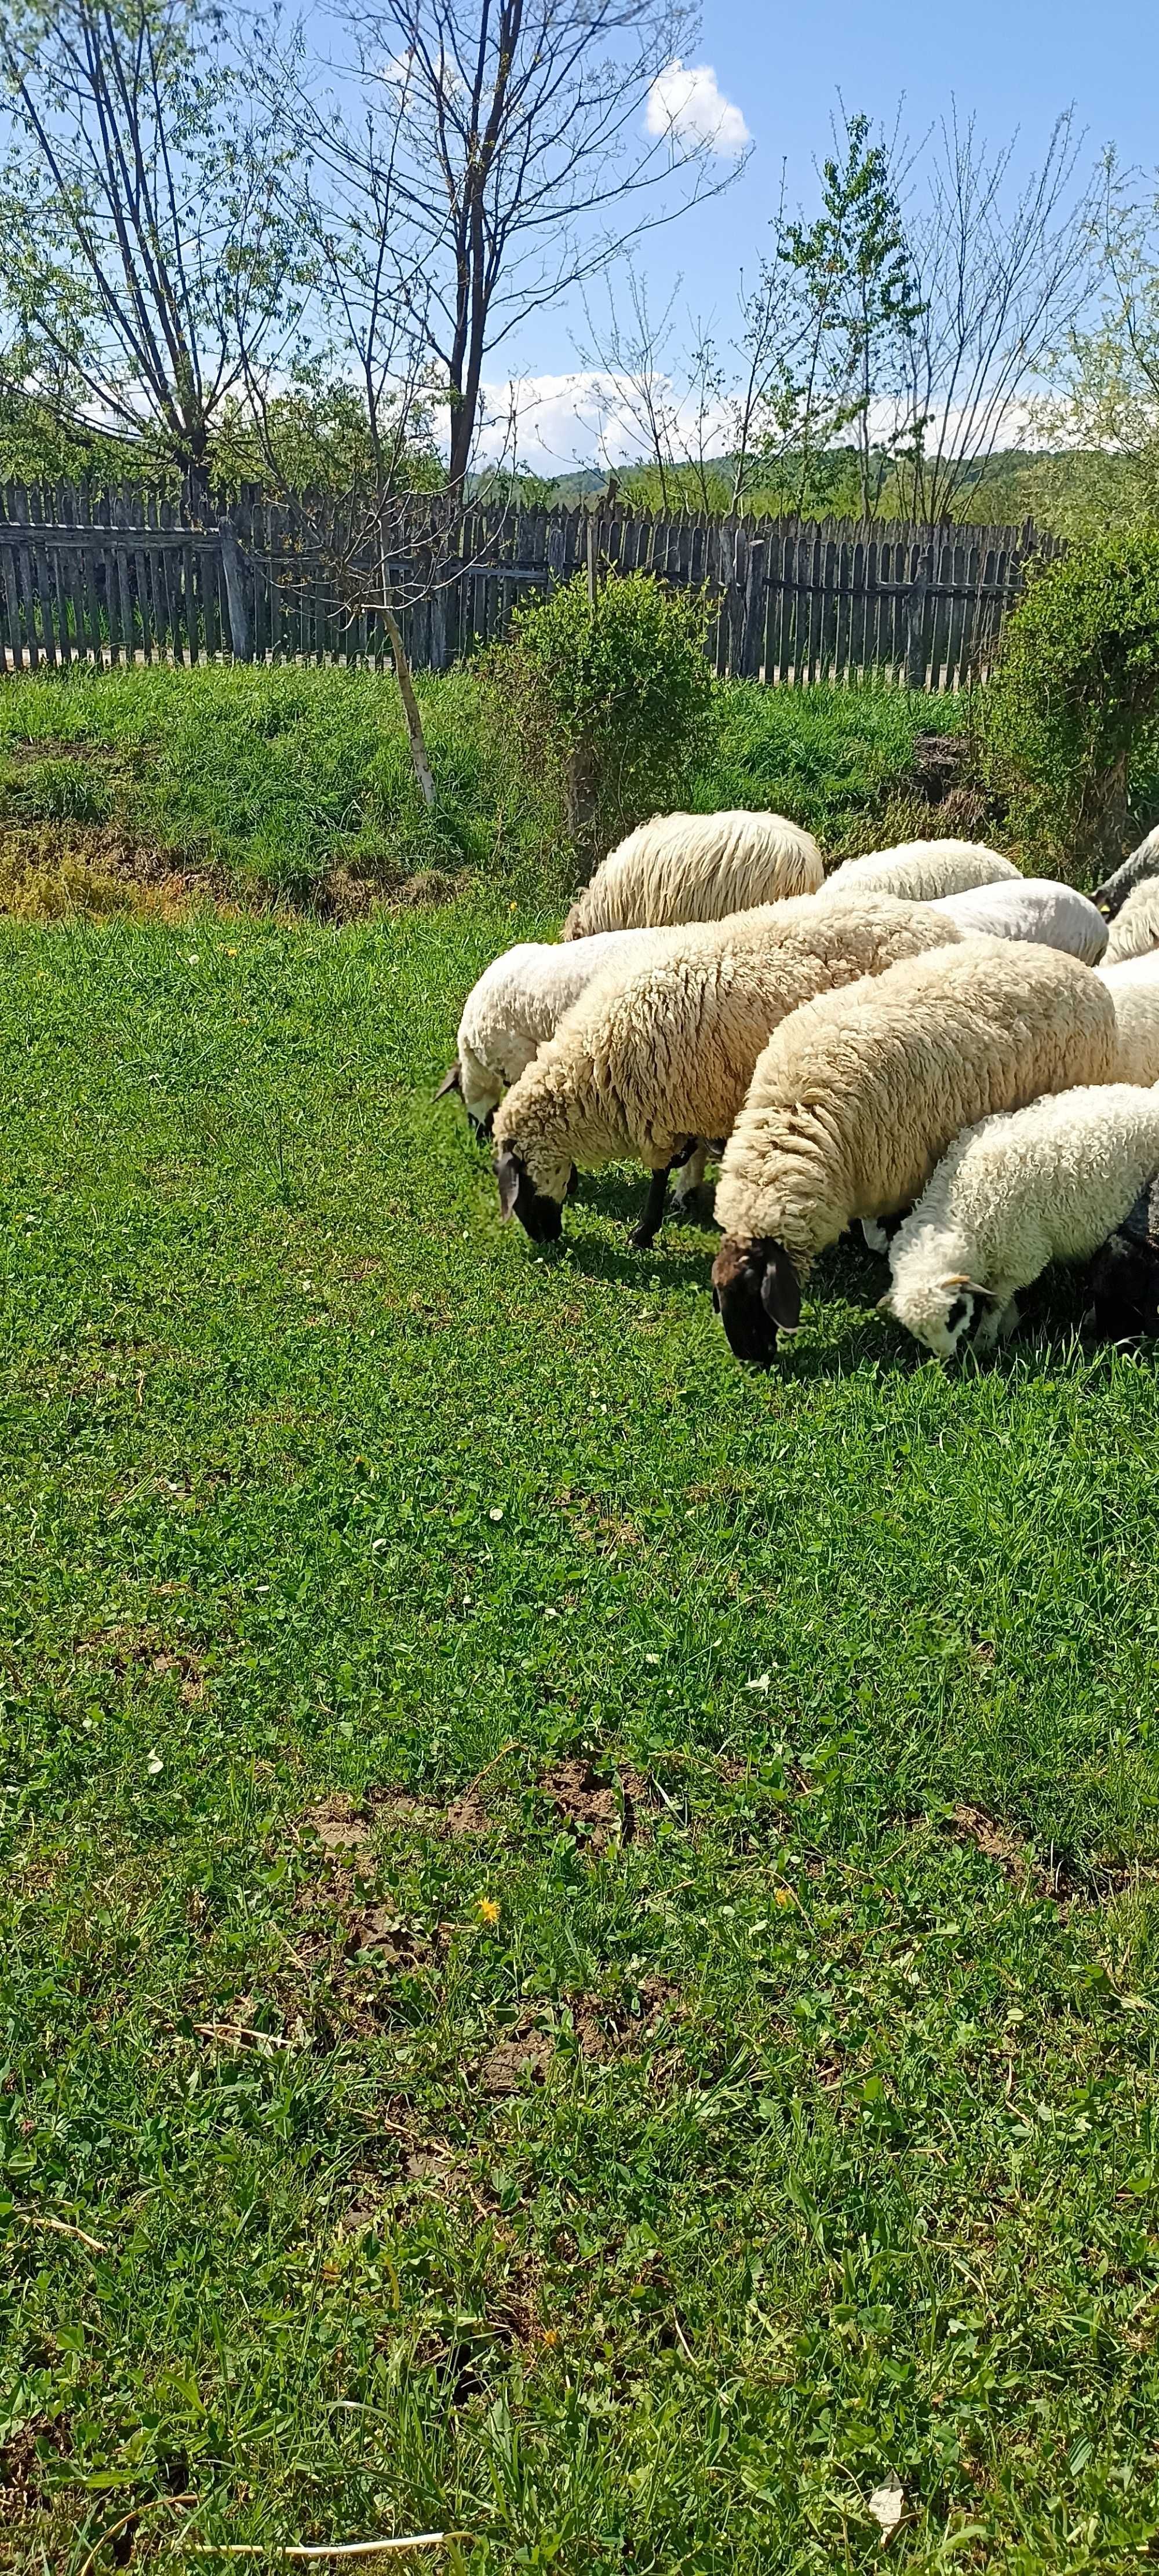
[1133,985]
[1047,1183]
[1134,929]
[1143,863]
[1034,908]
[653,1057]
[517,1003]
[858,1095]
[696,867]
[920,871]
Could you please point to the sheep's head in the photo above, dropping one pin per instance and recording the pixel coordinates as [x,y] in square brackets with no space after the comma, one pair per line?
[757,1295]
[1125,1275]
[941,1312]
[539,1214]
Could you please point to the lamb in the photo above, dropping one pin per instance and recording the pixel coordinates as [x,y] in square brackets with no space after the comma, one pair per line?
[1030,908]
[1125,1274]
[857,1096]
[517,1003]
[920,871]
[1134,929]
[650,1059]
[696,867]
[1047,1183]
[1134,988]
[1143,863]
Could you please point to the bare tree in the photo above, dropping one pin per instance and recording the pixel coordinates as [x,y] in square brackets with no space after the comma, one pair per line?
[1001,272]
[518,169]
[144,234]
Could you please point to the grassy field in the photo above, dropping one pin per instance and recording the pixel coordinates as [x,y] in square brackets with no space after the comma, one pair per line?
[298,782]
[578,1959]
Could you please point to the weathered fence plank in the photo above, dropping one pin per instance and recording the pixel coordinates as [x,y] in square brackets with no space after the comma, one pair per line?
[120,575]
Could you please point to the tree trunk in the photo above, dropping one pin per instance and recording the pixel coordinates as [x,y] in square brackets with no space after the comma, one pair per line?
[410,708]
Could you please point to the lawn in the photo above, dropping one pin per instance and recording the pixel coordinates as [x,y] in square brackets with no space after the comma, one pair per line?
[578,1963]
[298,783]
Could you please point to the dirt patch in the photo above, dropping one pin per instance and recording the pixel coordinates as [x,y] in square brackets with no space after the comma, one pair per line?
[522,2059]
[1000,1844]
[605,2030]
[468,1815]
[26,2464]
[53,747]
[128,1650]
[343,895]
[338,1825]
[599,1806]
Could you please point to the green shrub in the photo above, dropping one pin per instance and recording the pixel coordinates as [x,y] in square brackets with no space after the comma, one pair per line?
[615,697]
[1071,718]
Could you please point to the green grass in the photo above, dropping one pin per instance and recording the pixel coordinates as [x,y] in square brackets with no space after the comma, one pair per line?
[281,776]
[633,2200]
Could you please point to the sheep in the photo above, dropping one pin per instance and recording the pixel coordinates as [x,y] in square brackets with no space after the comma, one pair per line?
[650,1059]
[696,867]
[919,871]
[1134,929]
[857,1096]
[1143,862]
[1134,989]
[517,1003]
[1125,1274]
[1030,1186]
[1034,908]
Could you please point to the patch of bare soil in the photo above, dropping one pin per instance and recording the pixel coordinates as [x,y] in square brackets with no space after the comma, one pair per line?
[127,1650]
[1000,1844]
[600,1806]
[26,2464]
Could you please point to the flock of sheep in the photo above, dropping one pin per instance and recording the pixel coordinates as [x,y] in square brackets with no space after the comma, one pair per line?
[965,1059]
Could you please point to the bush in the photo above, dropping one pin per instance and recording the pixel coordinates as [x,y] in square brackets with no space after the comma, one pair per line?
[1071,718]
[615,696]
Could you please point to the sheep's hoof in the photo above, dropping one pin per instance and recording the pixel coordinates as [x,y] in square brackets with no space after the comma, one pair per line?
[642,1237]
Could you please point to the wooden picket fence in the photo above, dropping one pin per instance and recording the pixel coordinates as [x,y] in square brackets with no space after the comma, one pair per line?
[126,576]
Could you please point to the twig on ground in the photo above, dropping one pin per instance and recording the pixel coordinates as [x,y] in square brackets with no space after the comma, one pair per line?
[325,2548]
[62,2227]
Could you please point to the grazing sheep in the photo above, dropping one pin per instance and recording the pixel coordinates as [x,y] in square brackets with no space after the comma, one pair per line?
[858,1095]
[1030,1186]
[1143,863]
[1134,930]
[920,871]
[517,1003]
[1134,989]
[696,867]
[650,1059]
[1030,908]
[1125,1274]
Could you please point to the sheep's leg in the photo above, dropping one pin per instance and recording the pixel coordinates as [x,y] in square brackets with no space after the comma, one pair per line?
[998,1323]
[689,1175]
[645,1232]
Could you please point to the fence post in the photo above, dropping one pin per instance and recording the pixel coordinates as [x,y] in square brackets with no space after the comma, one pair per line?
[239,624]
[915,648]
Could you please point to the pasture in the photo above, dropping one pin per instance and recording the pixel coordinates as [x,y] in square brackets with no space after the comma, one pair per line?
[578,1964]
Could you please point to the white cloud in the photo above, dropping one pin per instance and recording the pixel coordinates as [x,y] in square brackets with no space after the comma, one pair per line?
[550,423]
[685,105]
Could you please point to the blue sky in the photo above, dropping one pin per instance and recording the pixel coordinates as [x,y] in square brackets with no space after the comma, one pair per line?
[1017,63]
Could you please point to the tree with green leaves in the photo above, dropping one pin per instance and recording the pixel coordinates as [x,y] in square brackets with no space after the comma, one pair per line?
[854,303]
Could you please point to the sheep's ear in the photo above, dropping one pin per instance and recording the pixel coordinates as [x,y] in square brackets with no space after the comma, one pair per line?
[781,1290]
[452,1080]
[509,1175]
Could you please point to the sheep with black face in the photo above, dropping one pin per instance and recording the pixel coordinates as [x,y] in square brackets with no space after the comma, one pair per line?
[857,1096]
[1143,863]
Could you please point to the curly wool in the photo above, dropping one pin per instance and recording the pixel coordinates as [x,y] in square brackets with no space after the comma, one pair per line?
[1134,929]
[1033,908]
[1143,863]
[696,867]
[1020,1190]
[1133,985]
[857,1095]
[920,871]
[650,1058]
[519,1001]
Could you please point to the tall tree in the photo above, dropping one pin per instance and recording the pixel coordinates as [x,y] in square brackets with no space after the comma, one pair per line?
[511,133]
[144,238]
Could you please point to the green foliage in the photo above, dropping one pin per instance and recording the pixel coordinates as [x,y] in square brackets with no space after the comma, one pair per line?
[617,694]
[763,2141]
[1072,715]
